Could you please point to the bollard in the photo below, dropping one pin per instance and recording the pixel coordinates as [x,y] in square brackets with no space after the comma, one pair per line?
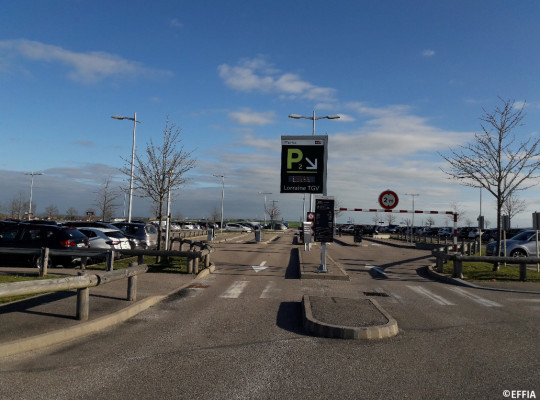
[190,265]
[132,288]
[140,259]
[84,261]
[83,301]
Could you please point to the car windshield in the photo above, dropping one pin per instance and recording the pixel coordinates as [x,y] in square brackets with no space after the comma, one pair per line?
[525,235]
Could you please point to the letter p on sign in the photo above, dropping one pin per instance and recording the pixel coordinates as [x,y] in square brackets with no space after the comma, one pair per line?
[293,156]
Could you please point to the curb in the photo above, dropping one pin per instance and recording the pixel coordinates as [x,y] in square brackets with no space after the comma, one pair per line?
[318,328]
[460,282]
[86,328]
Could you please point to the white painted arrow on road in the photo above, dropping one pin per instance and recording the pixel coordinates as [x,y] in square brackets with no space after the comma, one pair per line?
[260,267]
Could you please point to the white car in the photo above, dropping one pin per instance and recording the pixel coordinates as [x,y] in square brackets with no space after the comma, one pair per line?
[106,239]
[237,228]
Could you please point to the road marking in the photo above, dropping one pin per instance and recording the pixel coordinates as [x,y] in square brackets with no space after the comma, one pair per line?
[526,300]
[436,298]
[270,291]
[260,267]
[235,290]
[376,269]
[475,298]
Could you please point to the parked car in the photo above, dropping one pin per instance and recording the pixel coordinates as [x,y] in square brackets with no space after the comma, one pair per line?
[474,233]
[106,239]
[521,245]
[446,232]
[37,236]
[94,224]
[237,228]
[144,236]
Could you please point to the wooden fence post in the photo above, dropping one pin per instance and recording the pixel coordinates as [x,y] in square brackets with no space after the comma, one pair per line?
[440,263]
[190,265]
[522,272]
[458,268]
[44,261]
[110,260]
[83,302]
[140,259]
[196,266]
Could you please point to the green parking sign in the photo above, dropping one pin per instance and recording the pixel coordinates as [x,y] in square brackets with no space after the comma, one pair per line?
[303,164]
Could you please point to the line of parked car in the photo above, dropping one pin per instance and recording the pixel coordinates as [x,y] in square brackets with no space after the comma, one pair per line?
[36,234]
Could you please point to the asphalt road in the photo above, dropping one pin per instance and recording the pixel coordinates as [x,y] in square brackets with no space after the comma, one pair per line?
[236,334]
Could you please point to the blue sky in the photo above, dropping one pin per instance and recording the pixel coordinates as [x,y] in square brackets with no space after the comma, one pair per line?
[409,80]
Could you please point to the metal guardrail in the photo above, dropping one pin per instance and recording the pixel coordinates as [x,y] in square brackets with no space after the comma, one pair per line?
[442,254]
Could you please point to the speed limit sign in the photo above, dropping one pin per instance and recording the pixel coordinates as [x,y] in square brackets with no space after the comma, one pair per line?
[388,199]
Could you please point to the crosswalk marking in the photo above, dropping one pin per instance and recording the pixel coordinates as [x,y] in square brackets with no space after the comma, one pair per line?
[270,290]
[475,298]
[436,298]
[235,290]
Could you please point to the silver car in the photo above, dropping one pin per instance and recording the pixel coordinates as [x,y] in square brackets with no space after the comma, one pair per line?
[521,245]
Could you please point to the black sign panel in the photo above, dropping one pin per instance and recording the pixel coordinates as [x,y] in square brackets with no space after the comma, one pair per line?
[303,164]
[358,231]
[324,220]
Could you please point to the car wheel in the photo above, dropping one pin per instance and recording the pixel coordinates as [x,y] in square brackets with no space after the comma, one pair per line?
[518,253]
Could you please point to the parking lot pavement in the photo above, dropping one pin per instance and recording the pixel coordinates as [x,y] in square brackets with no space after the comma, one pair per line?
[51,318]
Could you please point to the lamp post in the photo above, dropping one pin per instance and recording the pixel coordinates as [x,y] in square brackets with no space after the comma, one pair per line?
[222,197]
[31,189]
[134,119]
[265,193]
[313,118]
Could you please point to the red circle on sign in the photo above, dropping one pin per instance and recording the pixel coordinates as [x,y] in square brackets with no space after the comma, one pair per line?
[310,216]
[388,199]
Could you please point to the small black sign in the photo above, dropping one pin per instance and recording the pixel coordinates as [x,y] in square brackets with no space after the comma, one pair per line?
[358,233]
[324,220]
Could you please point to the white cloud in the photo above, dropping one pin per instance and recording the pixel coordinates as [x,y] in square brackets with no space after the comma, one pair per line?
[428,53]
[248,117]
[257,75]
[175,23]
[89,67]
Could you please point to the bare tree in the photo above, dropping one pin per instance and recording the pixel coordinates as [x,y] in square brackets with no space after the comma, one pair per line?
[456,208]
[494,160]
[17,206]
[430,221]
[161,169]
[105,197]
[390,218]
[71,213]
[273,211]
[513,206]
[51,211]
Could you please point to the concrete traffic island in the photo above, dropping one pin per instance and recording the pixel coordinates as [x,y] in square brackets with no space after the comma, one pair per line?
[345,318]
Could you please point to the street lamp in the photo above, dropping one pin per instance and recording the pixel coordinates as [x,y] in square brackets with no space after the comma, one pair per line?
[296,116]
[31,190]
[222,196]
[265,193]
[134,119]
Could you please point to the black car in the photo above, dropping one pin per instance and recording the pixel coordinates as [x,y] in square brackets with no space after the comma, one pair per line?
[37,236]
